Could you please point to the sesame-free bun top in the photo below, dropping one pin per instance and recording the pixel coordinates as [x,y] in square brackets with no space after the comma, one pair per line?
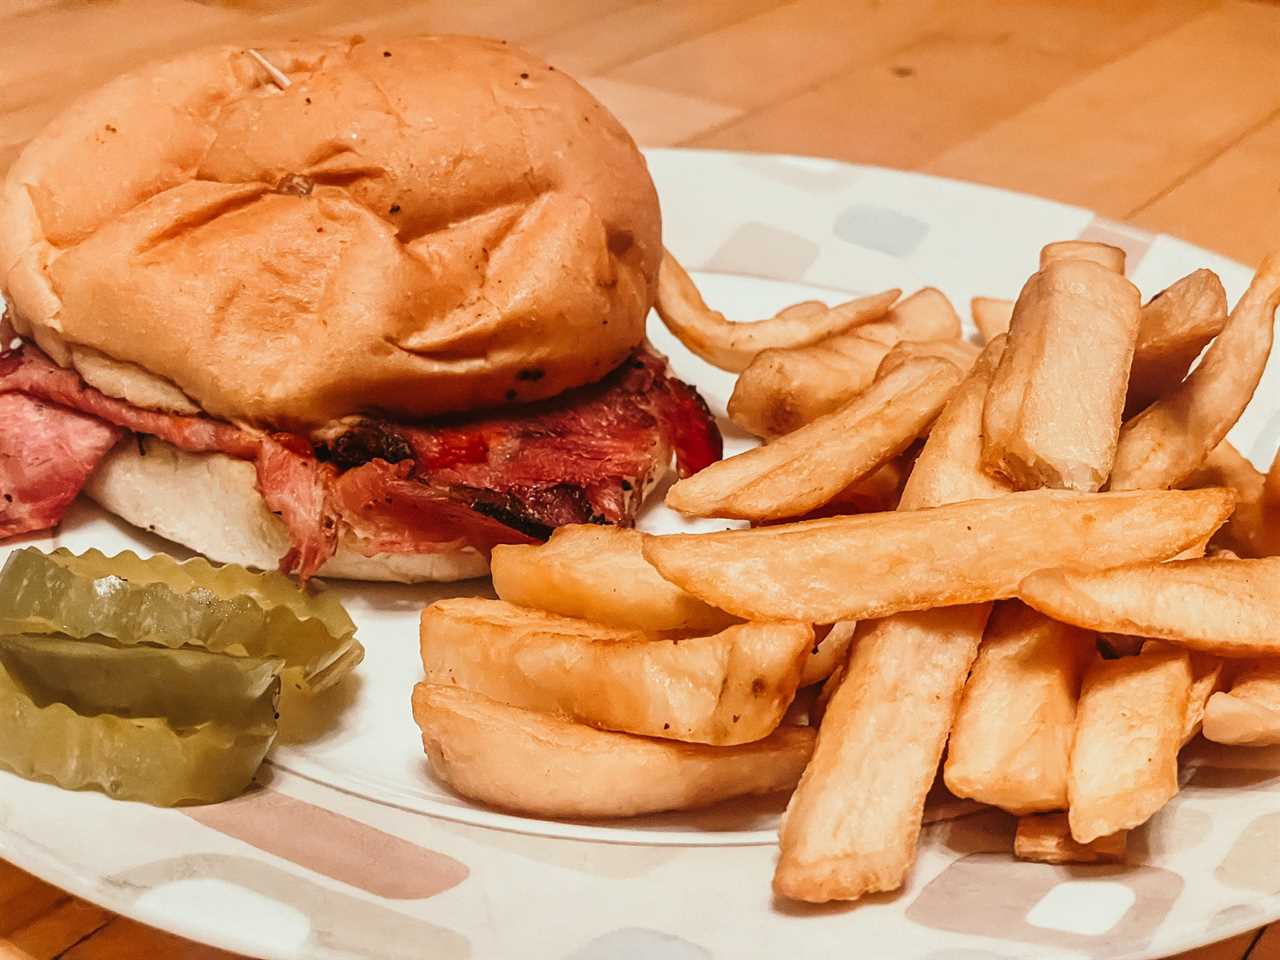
[411,227]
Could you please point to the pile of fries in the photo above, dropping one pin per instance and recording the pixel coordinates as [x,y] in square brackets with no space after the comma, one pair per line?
[1030,572]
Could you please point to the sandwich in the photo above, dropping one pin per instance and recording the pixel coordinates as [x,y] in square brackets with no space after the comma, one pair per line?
[354,308]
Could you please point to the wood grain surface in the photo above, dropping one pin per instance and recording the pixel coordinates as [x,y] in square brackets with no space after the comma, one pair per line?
[1165,113]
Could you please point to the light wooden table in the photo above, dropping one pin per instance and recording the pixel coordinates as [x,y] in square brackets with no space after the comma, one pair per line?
[1165,113]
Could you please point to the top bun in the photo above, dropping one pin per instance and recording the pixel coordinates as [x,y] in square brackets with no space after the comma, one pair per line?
[411,227]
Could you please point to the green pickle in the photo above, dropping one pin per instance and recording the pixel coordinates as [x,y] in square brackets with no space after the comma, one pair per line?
[186,687]
[161,602]
[161,726]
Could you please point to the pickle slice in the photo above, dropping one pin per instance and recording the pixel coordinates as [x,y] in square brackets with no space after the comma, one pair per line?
[159,601]
[186,687]
[138,758]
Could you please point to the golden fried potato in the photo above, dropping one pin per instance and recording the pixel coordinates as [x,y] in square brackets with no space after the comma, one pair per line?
[537,765]
[782,390]
[1103,254]
[864,797]
[852,824]
[1129,726]
[1046,838]
[1207,675]
[1053,412]
[810,467]
[1229,608]
[992,316]
[960,353]
[732,346]
[598,573]
[856,568]
[1161,446]
[1249,715]
[949,468]
[1254,529]
[829,653]
[1175,326]
[731,687]
[1010,746]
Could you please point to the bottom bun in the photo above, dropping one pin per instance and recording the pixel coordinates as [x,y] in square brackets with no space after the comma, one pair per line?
[210,503]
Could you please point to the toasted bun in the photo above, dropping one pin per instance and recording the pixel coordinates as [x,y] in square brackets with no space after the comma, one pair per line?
[154,487]
[412,227]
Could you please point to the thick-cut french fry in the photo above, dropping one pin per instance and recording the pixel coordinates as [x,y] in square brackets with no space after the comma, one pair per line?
[1229,608]
[877,491]
[991,316]
[1011,743]
[1103,254]
[784,389]
[855,568]
[852,824]
[1227,467]
[1161,446]
[732,687]
[865,792]
[1250,714]
[529,763]
[1254,529]
[1046,838]
[1053,411]
[808,468]
[829,653]
[949,468]
[1206,679]
[1129,727]
[731,346]
[598,573]
[1175,326]
[960,353]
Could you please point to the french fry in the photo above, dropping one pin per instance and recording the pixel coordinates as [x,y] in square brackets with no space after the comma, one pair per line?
[805,310]
[1271,485]
[1046,838]
[829,653]
[949,468]
[960,353]
[1010,745]
[530,763]
[854,826]
[811,466]
[729,688]
[1052,414]
[827,691]
[1227,467]
[1129,728]
[1161,446]
[856,568]
[992,316]
[782,390]
[732,346]
[1175,326]
[1103,254]
[1228,608]
[598,573]
[878,491]
[1207,673]
[1254,529]
[1249,715]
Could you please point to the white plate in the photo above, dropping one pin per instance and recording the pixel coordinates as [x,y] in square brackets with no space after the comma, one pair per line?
[352,850]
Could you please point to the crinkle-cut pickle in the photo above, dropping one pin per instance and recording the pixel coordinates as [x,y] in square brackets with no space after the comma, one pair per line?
[128,758]
[186,687]
[157,600]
